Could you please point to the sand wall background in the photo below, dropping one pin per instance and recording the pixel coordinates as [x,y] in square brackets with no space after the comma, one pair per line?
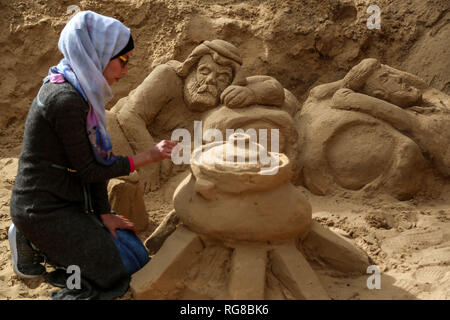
[300,43]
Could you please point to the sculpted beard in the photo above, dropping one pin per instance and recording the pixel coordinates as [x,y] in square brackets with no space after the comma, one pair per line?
[198,95]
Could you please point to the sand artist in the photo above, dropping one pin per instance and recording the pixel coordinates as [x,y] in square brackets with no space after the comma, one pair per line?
[59,203]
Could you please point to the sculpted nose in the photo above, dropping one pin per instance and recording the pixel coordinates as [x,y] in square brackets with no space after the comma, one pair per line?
[211,79]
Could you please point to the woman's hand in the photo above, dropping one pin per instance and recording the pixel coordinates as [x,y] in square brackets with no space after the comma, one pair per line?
[113,222]
[163,150]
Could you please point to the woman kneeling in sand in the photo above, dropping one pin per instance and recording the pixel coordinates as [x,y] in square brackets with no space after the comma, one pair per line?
[59,203]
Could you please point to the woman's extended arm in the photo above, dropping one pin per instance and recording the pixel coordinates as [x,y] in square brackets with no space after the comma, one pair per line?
[69,121]
[163,150]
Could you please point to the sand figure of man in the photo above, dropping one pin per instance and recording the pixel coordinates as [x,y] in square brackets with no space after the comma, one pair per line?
[209,86]
[400,127]
[176,94]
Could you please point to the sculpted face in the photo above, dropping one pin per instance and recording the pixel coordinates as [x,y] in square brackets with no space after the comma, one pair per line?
[204,85]
[392,87]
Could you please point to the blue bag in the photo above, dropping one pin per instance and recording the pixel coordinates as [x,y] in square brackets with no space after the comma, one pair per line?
[132,251]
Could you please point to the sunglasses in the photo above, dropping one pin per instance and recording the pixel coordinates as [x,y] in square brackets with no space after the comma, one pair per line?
[123,61]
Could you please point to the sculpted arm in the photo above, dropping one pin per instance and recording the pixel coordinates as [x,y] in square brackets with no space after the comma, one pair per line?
[268,90]
[263,90]
[326,90]
[400,119]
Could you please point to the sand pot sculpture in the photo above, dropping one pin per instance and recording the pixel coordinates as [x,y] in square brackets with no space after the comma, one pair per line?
[243,234]
[254,118]
[176,94]
[400,127]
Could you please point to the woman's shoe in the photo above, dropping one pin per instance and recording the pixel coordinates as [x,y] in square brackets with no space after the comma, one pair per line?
[26,261]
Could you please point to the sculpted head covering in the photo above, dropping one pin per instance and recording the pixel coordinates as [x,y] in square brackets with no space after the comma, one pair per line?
[357,77]
[222,52]
[88,42]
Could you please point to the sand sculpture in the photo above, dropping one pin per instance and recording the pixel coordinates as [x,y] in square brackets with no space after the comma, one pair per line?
[174,95]
[243,234]
[401,126]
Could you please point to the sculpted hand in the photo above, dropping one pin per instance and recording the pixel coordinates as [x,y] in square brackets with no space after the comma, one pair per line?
[237,97]
[339,100]
[113,222]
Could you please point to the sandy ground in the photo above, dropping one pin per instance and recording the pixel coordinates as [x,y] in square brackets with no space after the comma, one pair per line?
[409,241]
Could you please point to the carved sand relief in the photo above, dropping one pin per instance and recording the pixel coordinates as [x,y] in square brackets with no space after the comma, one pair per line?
[208,86]
[377,129]
[238,233]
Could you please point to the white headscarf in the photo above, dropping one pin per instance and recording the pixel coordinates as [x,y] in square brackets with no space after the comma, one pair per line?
[88,42]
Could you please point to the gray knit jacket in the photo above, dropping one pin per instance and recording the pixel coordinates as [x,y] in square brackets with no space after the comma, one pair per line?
[55,134]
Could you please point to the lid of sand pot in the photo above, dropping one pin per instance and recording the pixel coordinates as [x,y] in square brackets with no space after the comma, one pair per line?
[240,164]
[234,194]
